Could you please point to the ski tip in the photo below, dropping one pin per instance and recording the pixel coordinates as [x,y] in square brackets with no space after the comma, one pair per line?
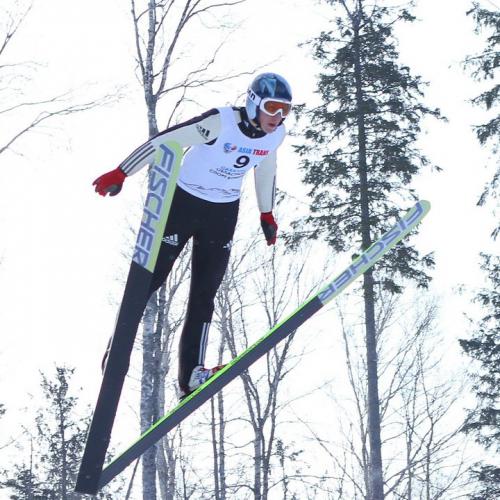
[421,208]
[425,204]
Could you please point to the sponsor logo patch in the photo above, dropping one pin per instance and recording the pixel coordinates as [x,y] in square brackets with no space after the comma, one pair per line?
[153,207]
[232,148]
[172,240]
[372,254]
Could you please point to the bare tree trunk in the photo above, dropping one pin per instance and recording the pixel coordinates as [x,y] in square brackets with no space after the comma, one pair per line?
[414,414]
[148,404]
[154,57]
[166,459]
[218,431]
[222,447]
[278,283]
[63,453]
[376,481]
[167,324]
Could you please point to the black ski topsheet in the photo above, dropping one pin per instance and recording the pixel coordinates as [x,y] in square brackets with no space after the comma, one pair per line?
[238,365]
[162,182]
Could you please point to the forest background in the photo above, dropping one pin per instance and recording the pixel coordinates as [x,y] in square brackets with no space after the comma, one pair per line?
[64,250]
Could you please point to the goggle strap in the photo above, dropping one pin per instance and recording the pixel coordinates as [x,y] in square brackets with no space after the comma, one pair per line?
[254,97]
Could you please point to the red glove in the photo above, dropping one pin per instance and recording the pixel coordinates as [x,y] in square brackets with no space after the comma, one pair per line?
[110,182]
[269,227]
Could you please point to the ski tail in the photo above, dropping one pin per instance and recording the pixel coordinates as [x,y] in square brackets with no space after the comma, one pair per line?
[162,182]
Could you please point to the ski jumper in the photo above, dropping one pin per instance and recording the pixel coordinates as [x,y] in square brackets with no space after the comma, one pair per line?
[224,146]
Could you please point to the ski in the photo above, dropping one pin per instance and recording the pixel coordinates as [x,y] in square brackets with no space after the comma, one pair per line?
[238,365]
[162,181]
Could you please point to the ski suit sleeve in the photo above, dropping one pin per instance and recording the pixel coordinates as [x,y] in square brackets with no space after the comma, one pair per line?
[265,183]
[265,178]
[199,130]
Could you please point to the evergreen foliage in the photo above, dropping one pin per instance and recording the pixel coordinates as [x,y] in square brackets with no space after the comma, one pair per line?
[363,82]
[64,436]
[49,471]
[484,347]
[359,160]
[485,67]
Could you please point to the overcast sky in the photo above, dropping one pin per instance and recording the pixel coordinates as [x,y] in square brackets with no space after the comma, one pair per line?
[61,245]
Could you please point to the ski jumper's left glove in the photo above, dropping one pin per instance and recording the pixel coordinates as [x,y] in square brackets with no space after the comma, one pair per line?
[269,227]
[110,183]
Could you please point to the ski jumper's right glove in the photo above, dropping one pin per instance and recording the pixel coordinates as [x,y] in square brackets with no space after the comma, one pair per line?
[269,227]
[110,183]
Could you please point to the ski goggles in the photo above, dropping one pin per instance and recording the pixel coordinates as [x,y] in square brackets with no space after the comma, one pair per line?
[272,106]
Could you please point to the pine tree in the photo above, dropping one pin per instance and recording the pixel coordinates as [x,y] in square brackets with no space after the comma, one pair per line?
[360,154]
[158,27]
[49,472]
[484,420]
[359,160]
[22,480]
[26,481]
[64,436]
[485,67]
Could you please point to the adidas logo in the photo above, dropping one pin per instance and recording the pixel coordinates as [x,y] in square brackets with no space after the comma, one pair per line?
[171,240]
[203,131]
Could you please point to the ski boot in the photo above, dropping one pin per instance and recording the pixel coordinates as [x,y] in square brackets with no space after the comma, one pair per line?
[198,377]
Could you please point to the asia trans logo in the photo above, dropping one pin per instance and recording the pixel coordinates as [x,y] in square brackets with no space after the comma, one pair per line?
[229,148]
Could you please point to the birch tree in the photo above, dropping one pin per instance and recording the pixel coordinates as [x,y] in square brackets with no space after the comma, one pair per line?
[359,159]
[161,28]
[168,314]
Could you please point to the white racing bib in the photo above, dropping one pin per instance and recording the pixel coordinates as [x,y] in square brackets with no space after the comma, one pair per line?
[215,172]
